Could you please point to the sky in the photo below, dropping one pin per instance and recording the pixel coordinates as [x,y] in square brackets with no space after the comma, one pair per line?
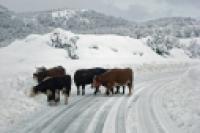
[135,10]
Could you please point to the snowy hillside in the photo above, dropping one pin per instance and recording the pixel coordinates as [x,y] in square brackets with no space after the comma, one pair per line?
[180,27]
[79,21]
[90,22]
[19,25]
[9,25]
[13,27]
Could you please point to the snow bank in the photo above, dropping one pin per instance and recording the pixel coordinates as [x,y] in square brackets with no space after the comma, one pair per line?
[18,62]
[178,53]
[182,101]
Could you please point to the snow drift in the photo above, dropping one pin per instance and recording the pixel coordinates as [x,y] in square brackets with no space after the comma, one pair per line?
[18,62]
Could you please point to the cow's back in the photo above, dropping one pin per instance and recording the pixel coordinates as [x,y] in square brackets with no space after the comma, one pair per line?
[119,75]
[46,84]
[85,76]
[56,72]
[79,77]
[63,80]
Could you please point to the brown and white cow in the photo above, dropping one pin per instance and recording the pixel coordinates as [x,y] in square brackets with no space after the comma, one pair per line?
[115,77]
[42,73]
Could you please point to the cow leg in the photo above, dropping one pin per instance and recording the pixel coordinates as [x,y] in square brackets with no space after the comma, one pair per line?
[49,95]
[123,89]
[66,94]
[130,89]
[117,91]
[83,90]
[48,98]
[78,90]
[107,91]
[54,96]
[96,90]
[112,90]
[109,88]
[57,95]
[66,98]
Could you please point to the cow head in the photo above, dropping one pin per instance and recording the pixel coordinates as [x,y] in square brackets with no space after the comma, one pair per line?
[41,69]
[96,82]
[39,76]
[35,76]
[34,91]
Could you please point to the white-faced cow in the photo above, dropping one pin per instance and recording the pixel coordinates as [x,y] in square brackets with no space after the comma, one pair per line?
[43,72]
[53,86]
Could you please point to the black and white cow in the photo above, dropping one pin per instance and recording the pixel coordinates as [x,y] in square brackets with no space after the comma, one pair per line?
[52,87]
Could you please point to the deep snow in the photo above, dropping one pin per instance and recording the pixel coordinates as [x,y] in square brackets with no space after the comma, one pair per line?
[182,99]
[18,62]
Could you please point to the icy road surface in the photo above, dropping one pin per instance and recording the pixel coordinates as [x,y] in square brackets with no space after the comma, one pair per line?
[143,112]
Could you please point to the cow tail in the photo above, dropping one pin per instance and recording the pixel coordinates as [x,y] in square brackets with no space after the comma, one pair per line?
[133,80]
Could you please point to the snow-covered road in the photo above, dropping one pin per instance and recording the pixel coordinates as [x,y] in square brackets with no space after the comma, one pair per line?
[143,112]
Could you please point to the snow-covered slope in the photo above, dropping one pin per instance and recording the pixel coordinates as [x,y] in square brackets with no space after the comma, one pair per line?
[19,59]
[181,101]
[19,25]
[191,47]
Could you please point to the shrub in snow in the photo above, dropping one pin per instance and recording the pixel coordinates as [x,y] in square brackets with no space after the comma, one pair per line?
[161,43]
[194,49]
[65,40]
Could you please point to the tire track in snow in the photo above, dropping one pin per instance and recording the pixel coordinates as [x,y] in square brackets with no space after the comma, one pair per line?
[161,114]
[38,127]
[92,127]
[120,118]
[45,116]
[109,125]
[109,114]
[82,122]
[145,119]
[105,114]
[61,122]
[121,111]
[130,114]
[148,123]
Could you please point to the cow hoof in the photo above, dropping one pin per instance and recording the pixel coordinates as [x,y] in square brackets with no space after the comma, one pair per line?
[52,103]
[57,103]
[66,103]
[129,94]
[116,92]
[57,100]
[107,93]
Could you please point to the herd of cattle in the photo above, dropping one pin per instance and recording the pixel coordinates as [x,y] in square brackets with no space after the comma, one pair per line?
[55,80]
